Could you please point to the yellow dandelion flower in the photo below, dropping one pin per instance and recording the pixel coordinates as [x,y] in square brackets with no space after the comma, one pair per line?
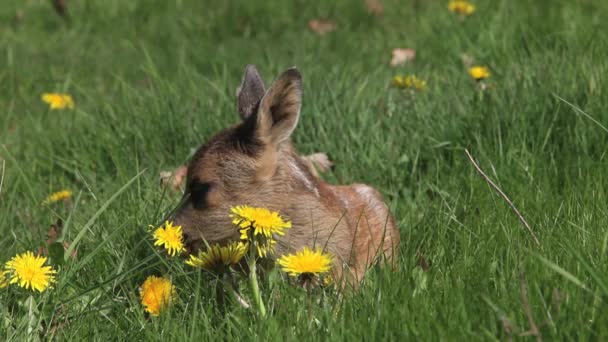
[305,261]
[170,237]
[414,82]
[29,272]
[57,196]
[461,7]
[58,101]
[265,246]
[263,221]
[328,280]
[479,72]
[408,82]
[398,81]
[3,280]
[156,293]
[218,258]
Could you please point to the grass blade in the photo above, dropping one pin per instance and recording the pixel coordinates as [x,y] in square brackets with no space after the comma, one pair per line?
[103,208]
[569,276]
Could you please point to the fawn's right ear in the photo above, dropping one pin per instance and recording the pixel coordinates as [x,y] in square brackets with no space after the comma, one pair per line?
[250,92]
[279,109]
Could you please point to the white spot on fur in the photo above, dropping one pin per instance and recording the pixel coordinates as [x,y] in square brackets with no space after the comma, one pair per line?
[366,192]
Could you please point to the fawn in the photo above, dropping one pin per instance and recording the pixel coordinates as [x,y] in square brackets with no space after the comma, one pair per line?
[254,163]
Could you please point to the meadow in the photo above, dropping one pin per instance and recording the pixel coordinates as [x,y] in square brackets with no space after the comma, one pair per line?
[151,81]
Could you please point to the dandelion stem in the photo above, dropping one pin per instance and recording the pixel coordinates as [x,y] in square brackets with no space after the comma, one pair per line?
[220,295]
[255,289]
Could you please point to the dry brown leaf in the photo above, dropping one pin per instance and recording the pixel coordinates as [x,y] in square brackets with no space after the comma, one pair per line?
[19,16]
[374,6]
[423,262]
[322,26]
[402,56]
[60,7]
[53,234]
[467,60]
[174,179]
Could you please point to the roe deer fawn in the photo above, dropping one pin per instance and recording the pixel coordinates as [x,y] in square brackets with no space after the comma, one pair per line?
[254,163]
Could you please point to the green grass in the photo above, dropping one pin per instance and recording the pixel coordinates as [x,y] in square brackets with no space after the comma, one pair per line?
[152,82]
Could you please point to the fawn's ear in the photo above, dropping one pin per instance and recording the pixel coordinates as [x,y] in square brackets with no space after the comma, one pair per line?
[250,92]
[279,109]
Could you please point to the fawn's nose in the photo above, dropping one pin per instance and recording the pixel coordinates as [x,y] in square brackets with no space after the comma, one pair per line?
[186,239]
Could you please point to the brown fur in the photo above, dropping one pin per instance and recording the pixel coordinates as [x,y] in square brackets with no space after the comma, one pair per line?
[255,164]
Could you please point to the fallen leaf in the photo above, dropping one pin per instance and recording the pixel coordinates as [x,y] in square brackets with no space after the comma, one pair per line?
[374,6]
[402,56]
[422,262]
[467,60]
[53,234]
[322,26]
[174,179]
[60,7]
[19,16]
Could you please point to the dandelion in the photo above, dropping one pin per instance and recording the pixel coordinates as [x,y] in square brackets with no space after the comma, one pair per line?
[218,258]
[258,227]
[479,72]
[156,293]
[461,7]
[328,280]
[259,224]
[305,262]
[265,247]
[170,237]
[263,221]
[57,196]
[58,101]
[29,272]
[3,280]
[398,82]
[408,82]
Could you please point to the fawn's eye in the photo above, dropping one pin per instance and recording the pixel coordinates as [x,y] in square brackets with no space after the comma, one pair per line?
[198,193]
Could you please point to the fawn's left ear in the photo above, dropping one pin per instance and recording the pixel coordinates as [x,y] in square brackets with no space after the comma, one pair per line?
[279,109]
[250,92]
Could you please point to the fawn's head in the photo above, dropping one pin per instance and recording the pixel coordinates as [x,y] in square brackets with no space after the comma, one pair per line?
[239,165]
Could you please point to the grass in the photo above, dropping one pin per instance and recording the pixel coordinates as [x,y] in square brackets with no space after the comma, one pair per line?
[152,82]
